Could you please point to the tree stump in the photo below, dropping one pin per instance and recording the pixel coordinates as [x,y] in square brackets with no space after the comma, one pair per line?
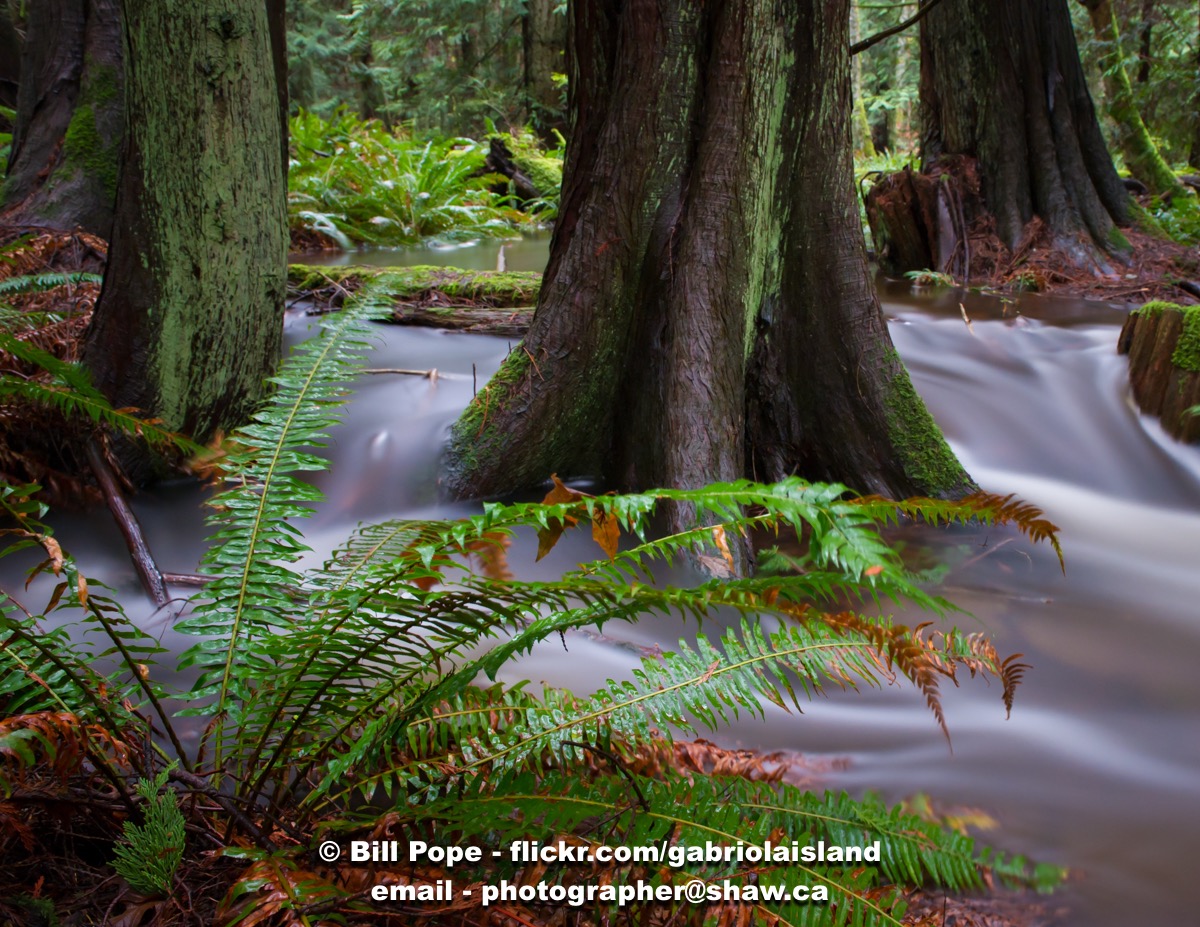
[919,221]
[1163,344]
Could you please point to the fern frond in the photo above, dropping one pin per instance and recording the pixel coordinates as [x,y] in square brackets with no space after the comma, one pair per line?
[37,283]
[985,507]
[699,685]
[251,597]
[670,816]
[70,391]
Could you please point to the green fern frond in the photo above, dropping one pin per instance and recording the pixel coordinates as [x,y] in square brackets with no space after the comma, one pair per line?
[253,594]
[70,391]
[673,815]
[37,283]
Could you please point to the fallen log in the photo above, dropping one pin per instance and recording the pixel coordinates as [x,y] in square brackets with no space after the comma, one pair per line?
[1163,343]
[481,302]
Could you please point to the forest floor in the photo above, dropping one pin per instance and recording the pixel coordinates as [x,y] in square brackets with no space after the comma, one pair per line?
[1157,269]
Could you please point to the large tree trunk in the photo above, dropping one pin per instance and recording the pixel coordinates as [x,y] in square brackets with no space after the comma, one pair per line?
[10,61]
[188,322]
[63,166]
[706,312]
[1001,81]
[1137,147]
[544,37]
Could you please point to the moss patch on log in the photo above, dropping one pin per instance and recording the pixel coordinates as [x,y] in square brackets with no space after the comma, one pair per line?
[1163,343]
[482,287]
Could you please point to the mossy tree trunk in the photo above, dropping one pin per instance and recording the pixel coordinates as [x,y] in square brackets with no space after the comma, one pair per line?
[62,169]
[706,313]
[1137,147]
[1001,81]
[189,319]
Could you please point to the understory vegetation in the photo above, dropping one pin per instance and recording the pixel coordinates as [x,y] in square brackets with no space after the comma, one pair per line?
[358,182]
[358,698]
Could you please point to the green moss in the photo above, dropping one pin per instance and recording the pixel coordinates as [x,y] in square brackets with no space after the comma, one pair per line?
[500,288]
[545,172]
[1146,222]
[473,434]
[83,145]
[1186,355]
[1154,308]
[924,453]
[1118,240]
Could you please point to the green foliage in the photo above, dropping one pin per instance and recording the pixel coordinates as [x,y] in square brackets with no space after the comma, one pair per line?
[931,278]
[152,852]
[358,182]
[69,389]
[1181,219]
[8,117]
[336,691]
[1165,97]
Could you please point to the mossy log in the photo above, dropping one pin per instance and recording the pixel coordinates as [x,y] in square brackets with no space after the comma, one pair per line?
[483,302]
[1163,344]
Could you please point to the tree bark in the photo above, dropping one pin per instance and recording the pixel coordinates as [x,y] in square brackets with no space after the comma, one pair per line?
[62,169]
[1137,147]
[1001,82]
[706,311]
[188,321]
[544,36]
[10,61]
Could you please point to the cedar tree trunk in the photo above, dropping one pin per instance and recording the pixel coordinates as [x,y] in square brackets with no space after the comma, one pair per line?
[706,313]
[62,169]
[1001,81]
[10,61]
[188,323]
[544,37]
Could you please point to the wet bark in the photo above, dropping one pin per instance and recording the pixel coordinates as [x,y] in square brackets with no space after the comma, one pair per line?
[188,321]
[1163,344]
[62,170]
[1001,82]
[706,295]
[827,394]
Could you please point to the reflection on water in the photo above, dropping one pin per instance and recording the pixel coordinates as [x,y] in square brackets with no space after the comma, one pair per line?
[1099,767]
[525,253]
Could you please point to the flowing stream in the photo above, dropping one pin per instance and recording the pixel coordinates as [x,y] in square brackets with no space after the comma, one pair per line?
[1098,768]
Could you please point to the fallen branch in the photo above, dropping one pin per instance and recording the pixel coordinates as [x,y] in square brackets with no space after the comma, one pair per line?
[432,374]
[859,47]
[131,530]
